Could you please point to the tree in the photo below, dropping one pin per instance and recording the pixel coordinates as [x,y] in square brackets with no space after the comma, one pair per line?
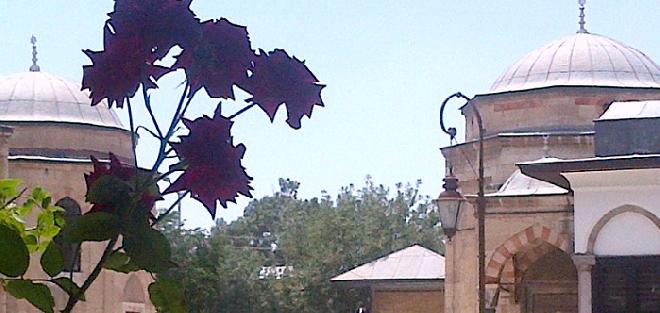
[319,237]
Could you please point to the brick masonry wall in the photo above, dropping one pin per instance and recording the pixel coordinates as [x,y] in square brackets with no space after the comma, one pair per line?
[408,302]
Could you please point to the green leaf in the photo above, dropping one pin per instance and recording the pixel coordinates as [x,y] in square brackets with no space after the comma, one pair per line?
[52,260]
[25,209]
[108,190]
[120,262]
[69,287]
[14,255]
[46,225]
[36,293]
[167,296]
[9,188]
[149,249]
[98,226]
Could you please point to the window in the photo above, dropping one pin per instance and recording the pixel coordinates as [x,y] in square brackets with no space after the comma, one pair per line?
[71,251]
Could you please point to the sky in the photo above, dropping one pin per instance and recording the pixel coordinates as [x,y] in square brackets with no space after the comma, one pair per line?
[387,66]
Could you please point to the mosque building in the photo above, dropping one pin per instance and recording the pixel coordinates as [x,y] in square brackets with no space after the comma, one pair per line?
[571,175]
[48,132]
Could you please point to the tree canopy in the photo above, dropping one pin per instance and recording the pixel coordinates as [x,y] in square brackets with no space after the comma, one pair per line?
[309,240]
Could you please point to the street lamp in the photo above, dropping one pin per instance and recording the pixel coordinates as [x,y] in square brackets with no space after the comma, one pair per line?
[449,204]
[481,199]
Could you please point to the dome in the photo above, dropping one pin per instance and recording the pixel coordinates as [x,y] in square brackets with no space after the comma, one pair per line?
[43,97]
[582,59]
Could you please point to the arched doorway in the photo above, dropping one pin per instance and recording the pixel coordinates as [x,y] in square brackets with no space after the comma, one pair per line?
[549,285]
[531,272]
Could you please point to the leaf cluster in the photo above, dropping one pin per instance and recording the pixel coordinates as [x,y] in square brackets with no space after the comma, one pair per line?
[21,236]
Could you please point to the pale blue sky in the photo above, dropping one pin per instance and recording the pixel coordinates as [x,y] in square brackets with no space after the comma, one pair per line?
[387,64]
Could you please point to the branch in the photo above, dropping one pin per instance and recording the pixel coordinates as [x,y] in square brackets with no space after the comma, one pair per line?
[73,299]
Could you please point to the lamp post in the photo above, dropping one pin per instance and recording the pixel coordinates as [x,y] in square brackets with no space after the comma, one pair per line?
[481,200]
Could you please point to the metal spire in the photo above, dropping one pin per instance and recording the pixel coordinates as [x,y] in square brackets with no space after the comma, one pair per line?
[34,67]
[582,22]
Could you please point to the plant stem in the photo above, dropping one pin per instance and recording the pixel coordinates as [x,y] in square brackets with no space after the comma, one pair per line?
[175,120]
[147,103]
[133,133]
[162,215]
[73,299]
[241,111]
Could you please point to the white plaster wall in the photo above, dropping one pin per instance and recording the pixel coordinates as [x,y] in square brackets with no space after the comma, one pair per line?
[628,233]
[597,193]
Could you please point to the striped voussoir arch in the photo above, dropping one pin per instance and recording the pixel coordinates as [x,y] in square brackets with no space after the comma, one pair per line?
[526,241]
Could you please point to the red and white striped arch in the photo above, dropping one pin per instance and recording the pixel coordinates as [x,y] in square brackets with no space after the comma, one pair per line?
[526,241]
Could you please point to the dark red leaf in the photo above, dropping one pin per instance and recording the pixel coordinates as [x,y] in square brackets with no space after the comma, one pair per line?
[160,24]
[123,173]
[214,170]
[277,78]
[219,60]
[118,70]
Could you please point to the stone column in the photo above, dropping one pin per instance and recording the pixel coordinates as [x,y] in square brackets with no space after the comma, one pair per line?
[583,264]
[5,133]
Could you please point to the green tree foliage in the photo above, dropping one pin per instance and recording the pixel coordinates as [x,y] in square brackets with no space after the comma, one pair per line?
[319,237]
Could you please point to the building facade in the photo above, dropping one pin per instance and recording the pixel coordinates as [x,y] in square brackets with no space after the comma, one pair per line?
[540,110]
[49,130]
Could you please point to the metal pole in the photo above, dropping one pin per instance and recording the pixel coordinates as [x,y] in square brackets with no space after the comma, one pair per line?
[481,199]
[481,216]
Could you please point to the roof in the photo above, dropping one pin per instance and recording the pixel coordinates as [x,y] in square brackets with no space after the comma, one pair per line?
[519,184]
[581,59]
[550,170]
[43,97]
[412,263]
[631,110]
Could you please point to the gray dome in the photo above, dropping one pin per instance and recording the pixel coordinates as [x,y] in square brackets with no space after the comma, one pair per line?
[43,97]
[582,59]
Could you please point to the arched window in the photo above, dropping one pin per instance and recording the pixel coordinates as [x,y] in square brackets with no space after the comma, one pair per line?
[133,300]
[71,251]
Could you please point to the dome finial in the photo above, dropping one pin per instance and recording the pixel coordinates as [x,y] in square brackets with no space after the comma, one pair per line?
[34,67]
[582,22]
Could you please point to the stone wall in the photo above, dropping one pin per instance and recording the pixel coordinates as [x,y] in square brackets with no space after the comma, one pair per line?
[65,179]
[408,301]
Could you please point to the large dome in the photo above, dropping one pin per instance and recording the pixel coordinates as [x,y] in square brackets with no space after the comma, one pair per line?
[583,59]
[43,97]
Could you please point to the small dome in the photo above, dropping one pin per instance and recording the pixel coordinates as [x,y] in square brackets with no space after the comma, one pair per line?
[582,59]
[43,97]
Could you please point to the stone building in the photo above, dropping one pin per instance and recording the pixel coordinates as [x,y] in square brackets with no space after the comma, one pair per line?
[409,280]
[49,130]
[542,110]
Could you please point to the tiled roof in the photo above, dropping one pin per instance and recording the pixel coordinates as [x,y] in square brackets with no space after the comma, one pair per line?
[632,109]
[412,263]
[519,184]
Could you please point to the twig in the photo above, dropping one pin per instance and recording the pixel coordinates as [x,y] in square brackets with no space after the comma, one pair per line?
[13,199]
[73,299]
